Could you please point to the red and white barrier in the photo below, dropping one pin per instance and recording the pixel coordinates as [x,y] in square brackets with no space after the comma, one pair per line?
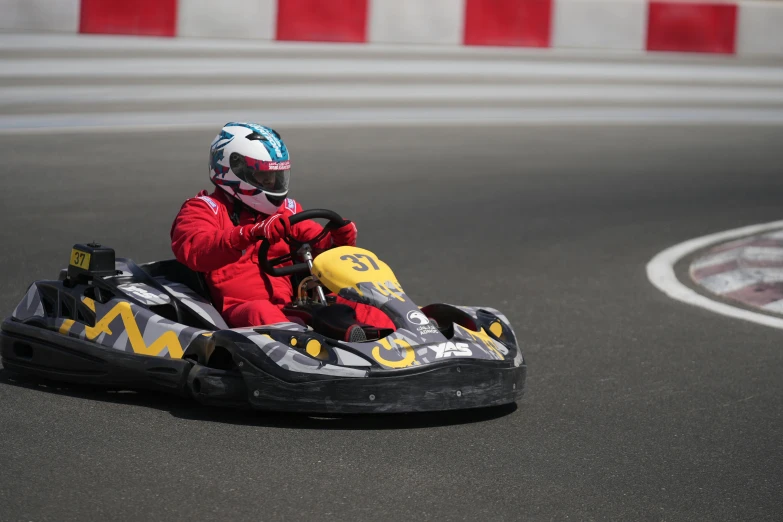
[319,21]
[516,23]
[60,16]
[256,19]
[691,27]
[747,27]
[416,22]
[141,17]
[600,24]
[760,28]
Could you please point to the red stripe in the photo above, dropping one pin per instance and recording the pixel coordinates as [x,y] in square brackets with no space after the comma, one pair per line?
[692,27]
[519,23]
[137,17]
[709,271]
[322,20]
[758,294]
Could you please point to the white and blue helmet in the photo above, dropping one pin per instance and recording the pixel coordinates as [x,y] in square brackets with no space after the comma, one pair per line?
[251,164]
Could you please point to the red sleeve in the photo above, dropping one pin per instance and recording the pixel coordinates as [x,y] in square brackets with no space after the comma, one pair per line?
[200,243]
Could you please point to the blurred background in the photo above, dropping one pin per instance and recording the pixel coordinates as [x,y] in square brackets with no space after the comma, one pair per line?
[529,155]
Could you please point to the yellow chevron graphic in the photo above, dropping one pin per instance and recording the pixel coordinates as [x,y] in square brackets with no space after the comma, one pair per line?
[410,354]
[123,309]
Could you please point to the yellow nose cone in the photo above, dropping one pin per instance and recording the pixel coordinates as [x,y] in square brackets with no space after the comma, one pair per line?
[496,329]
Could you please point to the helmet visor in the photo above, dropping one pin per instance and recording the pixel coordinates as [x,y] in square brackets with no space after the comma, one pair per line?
[272,177]
[273,182]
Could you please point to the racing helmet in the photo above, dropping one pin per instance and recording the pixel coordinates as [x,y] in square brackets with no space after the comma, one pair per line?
[251,164]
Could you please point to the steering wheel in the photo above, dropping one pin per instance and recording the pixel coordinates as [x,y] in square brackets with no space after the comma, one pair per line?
[268,265]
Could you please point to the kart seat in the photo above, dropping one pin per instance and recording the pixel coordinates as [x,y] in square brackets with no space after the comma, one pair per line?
[176,272]
[187,311]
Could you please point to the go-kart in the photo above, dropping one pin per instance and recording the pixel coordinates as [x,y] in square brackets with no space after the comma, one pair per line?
[108,321]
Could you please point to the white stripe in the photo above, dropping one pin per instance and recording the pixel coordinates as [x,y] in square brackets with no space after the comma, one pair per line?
[734,280]
[249,67]
[751,253]
[601,24]
[228,46]
[232,19]
[660,272]
[43,43]
[282,93]
[404,117]
[716,259]
[40,15]
[759,29]
[761,254]
[268,224]
[775,306]
[416,21]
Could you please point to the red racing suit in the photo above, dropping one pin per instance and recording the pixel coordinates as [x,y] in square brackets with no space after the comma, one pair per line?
[204,239]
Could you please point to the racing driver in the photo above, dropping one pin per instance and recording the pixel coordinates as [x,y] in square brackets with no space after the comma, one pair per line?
[219,233]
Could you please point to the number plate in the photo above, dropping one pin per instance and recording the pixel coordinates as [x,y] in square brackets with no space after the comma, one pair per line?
[80,259]
[347,267]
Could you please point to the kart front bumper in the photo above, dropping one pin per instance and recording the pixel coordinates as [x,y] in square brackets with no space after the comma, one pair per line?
[448,386]
[452,385]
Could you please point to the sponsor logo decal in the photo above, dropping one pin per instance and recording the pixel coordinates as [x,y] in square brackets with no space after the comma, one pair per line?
[407,360]
[444,350]
[423,324]
[280,165]
[258,164]
[209,201]
[417,317]
[290,204]
[142,293]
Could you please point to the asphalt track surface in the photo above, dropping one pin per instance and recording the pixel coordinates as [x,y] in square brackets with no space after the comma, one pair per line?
[638,407]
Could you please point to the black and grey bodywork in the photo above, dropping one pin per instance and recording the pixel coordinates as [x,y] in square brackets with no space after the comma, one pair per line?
[153,326]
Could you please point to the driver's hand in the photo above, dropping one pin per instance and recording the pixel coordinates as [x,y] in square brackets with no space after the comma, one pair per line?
[345,235]
[273,229]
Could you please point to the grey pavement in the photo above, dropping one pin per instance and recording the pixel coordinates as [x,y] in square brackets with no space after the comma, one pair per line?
[639,407]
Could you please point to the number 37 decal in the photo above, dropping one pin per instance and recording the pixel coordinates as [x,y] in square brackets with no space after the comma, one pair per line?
[80,259]
[358,265]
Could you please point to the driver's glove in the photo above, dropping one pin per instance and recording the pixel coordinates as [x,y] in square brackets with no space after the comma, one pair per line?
[273,229]
[345,235]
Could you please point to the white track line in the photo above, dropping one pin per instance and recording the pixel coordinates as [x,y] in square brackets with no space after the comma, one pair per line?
[179,67]
[385,117]
[330,92]
[660,272]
